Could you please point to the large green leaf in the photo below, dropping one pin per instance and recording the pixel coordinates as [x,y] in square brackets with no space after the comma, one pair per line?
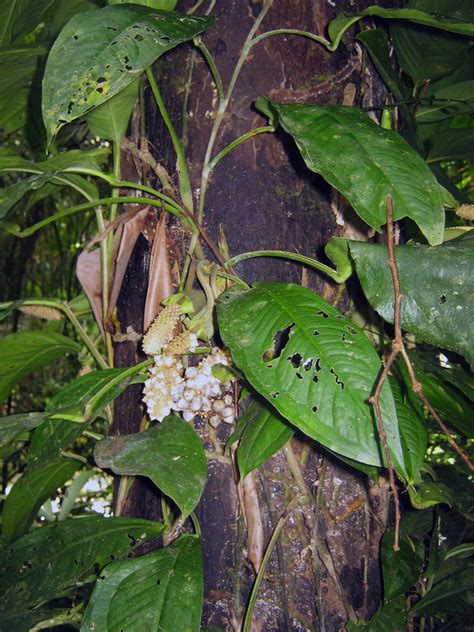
[46,561]
[19,63]
[412,431]
[426,55]
[159,592]
[452,144]
[104,51]
[110,120]
[14,425]
[455,21]
[84,398]
[170,453]
[447,102]
[437,286]
[29,493]
[165,5]
[49,176]
[10,10]
[312,364]
[262,432]
[400,568]
[390,617]
[452,594]
[27,351]
[365,162]
[11,195]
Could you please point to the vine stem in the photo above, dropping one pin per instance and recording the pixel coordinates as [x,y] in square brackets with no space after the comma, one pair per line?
[398,347]
[184,181]
[397,342]
[223,105]
[266,558]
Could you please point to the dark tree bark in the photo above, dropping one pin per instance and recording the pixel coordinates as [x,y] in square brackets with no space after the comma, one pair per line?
[325,568]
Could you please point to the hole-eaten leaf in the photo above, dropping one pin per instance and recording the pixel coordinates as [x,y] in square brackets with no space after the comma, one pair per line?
[442,299]
[275,394]
[295,360]
[338,381]
[307,364]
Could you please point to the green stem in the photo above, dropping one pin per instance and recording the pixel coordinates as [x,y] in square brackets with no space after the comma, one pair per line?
[184,181]
[223,108]
[67,311]
[282,254]
[212,67]
[315,38]
[84,337]
[107,254]
[84,207]
[266,558]
[197,526]
[236,142]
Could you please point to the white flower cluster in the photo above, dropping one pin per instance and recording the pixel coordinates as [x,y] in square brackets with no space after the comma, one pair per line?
[194,391]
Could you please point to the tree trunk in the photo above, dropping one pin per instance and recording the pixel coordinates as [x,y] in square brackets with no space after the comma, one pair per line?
[324,569]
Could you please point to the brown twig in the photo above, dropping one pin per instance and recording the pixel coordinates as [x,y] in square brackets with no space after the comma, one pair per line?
[397,345]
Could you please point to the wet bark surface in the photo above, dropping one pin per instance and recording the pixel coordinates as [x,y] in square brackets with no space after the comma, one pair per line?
[324,569]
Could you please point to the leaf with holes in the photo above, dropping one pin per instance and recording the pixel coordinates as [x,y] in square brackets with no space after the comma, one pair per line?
[170,453]
[160,592]
[262,432]
[30,491]
[437,286]
[43,563]
[312,364]
[110,120]
[101,52]
[27,351]
[365,163]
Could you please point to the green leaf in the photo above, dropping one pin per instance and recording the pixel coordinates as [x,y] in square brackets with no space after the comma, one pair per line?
[85,397]
[164,5]
[336,140]
[429,495]
[27,351]
[19,65]
[437,286]
[312,364]
[412,431]
[262,433]
[9,196]
[10,10]
[161,591]
[426,55]
[13,425]
[46,561]
[170,454]
[447,102]
[103,52]
[448,401]
[110,120]
[452,144]
[343,21]
[29,493]
[452,594]
[400,568]
[390,617]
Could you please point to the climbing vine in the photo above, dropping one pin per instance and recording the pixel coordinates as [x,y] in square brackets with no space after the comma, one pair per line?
[268,359]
